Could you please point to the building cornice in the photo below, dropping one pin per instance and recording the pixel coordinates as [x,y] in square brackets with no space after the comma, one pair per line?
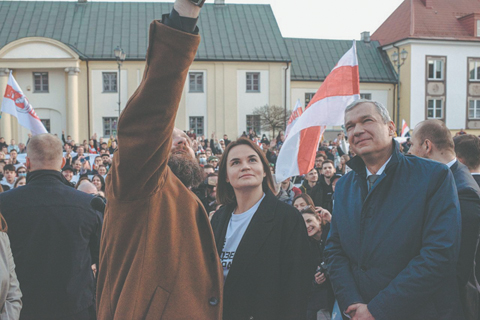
[404,42]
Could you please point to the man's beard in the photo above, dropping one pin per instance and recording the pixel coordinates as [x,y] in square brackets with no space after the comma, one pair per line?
[186,169]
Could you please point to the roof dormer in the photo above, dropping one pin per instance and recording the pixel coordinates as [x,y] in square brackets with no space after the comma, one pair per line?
[471,23]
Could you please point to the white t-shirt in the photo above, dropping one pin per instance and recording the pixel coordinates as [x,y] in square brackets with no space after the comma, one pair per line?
[236,228]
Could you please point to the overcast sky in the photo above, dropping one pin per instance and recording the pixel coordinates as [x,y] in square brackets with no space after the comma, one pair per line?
[328,19]
[323,19]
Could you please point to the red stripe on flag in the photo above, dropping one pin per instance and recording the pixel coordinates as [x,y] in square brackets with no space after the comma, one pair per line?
[343,81]
[309,139]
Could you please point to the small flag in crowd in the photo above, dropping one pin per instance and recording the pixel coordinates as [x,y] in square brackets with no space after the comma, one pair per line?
[405,129]
[296,113]
[15,103]
[327,107]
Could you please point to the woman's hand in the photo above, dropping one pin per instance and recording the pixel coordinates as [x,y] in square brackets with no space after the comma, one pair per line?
[320,278]
[324,214]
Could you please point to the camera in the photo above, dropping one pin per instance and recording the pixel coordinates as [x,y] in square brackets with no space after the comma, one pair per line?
[322,268]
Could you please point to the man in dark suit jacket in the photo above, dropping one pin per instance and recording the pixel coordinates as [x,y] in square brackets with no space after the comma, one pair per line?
[433,140]
[467,148]
[54,235]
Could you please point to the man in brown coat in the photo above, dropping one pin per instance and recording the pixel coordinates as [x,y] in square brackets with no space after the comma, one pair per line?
[158,257]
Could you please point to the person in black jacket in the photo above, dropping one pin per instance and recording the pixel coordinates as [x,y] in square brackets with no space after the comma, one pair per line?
[432,140]
[321,295]
[54,235]
[467,148]
[262,242]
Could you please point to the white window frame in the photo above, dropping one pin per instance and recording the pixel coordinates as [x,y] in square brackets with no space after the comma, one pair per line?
[475,106]
[250,82]
[366,96]
[44,81]
[435,108]
[47,124]
[194,125]
[194,86]
[308,96]
[113,126]
[255,123]
[108,88]
[476,71]
[478,28]
[435,66]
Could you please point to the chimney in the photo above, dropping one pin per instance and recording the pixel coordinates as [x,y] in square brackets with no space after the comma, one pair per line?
[365,36]
[219,2]
[428,4]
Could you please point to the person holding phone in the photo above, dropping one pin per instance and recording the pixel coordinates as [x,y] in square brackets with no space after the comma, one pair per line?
[157,254]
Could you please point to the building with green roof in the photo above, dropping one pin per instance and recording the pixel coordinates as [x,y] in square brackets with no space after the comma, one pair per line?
[62,55]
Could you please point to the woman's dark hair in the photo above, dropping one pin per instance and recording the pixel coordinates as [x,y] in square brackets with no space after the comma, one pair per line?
[225,192]
[82,178]
[18,181]
[279,135]
[310,210]
[102,181]
[306,198]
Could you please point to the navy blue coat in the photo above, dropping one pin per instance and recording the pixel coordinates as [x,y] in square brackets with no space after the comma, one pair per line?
[396,248]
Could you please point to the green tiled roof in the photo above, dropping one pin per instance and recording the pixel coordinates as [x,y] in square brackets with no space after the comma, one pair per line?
[313,59]
[231,32]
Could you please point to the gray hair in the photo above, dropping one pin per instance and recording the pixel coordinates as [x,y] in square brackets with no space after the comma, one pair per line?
[382,111]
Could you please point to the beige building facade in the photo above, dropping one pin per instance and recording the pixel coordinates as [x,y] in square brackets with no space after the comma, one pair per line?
[68,71]
[75,100]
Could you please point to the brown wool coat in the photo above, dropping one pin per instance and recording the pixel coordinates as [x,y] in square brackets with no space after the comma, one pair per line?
[157,257]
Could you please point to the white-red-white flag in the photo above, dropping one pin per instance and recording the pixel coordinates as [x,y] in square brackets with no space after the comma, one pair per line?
[15,103]
[405,129]
[327,107]
[296,113]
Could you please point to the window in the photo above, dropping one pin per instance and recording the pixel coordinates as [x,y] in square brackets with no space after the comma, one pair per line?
[253,122]
[109,126]
[196,123]
[109,81]
[478,28]
[366,96]
[308,97]
[40,80]
[196,81]
[435,69]
[253,81]
[435,109]
[474,70]
[46,124]
[474,109]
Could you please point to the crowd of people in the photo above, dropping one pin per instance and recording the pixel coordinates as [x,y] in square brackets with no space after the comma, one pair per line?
[159,223]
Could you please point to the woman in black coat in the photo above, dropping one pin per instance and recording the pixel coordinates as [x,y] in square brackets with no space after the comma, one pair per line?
[321,293]
[262,243]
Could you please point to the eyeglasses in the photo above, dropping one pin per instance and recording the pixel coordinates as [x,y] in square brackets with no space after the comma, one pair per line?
[22,171]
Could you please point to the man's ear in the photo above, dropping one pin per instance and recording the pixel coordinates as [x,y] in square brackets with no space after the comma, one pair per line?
[391,129]
[28,163]
[428,145]
[63,163]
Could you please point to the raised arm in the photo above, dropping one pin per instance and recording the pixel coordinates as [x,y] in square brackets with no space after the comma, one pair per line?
[146,124]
